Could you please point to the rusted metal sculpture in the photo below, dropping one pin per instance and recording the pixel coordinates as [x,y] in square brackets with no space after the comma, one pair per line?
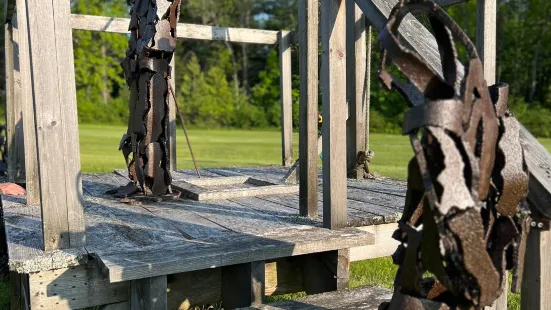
[147,70]
[465,219]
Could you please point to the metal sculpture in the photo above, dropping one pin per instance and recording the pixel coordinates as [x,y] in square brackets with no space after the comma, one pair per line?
[147,70]
[465,219]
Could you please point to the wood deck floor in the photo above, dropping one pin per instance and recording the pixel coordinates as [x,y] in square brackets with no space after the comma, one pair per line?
[129,239]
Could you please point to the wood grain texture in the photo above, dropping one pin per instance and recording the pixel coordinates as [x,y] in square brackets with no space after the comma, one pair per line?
[309,83]
[243,285]
[172,125]
[486,37]
[286,97]
[184,31]
[14,112]
[74,288]
[333,83]
[357,86]
[56,123]
[153,261]
[29,128]
[148,294]
[384,245]
[367,298]
[536,287]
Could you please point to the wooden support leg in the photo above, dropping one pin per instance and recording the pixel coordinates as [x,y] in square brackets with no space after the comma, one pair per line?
[333,83]
[536,284]
[148,294]
[308,156]
[243,285]
[326,272]
[356,65]
[172,127]
[286,97]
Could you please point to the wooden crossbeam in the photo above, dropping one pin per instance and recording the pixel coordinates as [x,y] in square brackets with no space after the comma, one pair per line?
[184,31]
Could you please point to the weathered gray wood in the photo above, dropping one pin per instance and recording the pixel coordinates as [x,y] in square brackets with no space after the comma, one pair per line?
[26,101]
[74,288]
[184,31]
[537,271]
[333,83]
[243,285]
[308,15]
[286,97]
[486,37]
[172,126]
[56,123]
[356,82]
[199,193]
[284,276]
[148,294]
[189,256]
[367,298]
[204,182]
[14,113]
[15,290]
[384,245]
[326,272]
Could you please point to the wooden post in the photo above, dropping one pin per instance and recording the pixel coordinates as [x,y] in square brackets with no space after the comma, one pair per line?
[486,38]
[14,119]
[26,101]
[308,16]
[536,287]
[326,272]
[172,126]
[54,94]
[148,294]
[356,79]
[243,285]
[286,97]
[333,83]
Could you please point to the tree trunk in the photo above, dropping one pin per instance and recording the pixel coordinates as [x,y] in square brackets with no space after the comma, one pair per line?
[146,66]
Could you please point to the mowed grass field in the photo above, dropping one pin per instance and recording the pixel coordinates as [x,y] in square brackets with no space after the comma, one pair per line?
[226,148]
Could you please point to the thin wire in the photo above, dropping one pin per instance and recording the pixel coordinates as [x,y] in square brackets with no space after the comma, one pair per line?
[184,127]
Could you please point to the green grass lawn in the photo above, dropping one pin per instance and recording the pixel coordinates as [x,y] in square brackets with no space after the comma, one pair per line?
[225,148]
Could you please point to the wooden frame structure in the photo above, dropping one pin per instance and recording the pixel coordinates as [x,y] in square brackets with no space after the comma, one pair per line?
[41,114]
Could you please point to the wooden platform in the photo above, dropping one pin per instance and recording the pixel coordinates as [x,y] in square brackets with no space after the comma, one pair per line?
[365,298]
[130,242]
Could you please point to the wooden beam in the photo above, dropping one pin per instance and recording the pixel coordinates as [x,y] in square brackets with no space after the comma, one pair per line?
[54,93]
[148,294]
[486,37]
[184,31]
[537,271]
[333,83]
[357,85]
[308,16]
[14,119]
[243,285]
[286,87]
[29,129]
[172,126]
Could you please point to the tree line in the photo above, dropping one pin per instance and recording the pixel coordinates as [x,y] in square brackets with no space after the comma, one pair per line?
[221,84]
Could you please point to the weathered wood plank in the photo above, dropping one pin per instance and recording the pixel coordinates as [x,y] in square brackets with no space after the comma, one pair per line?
[367,298]
[284,276]
[286,97]
[29,128]
[148,294]
[486,37]
[14,113]
[200,193]
[184,31]
[243,285]
[357,85]
[189,256]
[56,123]
[384,245]
[333,82]
[537,270]
[308,14]
[74,288]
